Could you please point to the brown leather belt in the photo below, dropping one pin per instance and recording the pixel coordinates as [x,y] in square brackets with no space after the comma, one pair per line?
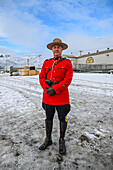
[54,83]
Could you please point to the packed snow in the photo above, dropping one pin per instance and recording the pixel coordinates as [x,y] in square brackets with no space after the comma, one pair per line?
[89,136]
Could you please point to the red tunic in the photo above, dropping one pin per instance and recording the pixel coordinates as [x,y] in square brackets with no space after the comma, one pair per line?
[61,73]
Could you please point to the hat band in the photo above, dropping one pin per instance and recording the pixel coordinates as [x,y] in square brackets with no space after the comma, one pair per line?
[57,44]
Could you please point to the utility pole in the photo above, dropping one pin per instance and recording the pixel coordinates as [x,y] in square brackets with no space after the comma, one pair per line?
[38,59]
[6,61]
[28,61]
[80,52]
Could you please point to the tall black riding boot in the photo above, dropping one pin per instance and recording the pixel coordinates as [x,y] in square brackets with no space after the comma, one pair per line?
[62,148]
[48,140]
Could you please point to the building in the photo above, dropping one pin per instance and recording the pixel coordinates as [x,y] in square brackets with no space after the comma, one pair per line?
[101,61]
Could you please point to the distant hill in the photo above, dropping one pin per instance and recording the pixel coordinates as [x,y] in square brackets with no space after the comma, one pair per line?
[10,58]
[20,61]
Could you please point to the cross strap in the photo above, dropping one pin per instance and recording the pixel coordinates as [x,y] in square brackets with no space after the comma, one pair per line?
[53,66]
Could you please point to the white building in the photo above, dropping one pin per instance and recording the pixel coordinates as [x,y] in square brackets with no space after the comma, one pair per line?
[101,61]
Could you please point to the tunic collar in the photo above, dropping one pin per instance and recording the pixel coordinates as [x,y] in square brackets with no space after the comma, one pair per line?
[58,58]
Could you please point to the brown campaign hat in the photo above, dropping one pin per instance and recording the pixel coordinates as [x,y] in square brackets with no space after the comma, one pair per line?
[57,41]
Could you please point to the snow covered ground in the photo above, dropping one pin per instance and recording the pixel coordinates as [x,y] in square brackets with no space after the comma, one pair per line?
[89,137]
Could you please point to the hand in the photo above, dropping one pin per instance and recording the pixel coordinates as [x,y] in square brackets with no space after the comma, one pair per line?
[50,91]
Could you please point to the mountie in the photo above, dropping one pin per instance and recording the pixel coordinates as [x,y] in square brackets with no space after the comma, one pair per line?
[55,77]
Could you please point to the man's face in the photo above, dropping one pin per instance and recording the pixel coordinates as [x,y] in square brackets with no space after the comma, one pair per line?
[57,50]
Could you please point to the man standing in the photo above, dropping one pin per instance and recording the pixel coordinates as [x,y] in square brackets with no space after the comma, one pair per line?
[55,77]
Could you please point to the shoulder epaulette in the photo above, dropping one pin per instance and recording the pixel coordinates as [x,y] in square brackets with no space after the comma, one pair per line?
[66,59]
[49,59]
[52,58]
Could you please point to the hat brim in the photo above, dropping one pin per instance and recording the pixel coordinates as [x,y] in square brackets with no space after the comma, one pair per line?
[50,45]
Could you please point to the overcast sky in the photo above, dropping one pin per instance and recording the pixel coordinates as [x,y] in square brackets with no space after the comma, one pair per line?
[26,26]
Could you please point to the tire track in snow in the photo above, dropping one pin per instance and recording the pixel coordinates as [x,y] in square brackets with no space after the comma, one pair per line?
[31,90]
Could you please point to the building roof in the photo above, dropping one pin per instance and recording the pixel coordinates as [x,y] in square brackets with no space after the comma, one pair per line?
[69,56]
[91,54]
